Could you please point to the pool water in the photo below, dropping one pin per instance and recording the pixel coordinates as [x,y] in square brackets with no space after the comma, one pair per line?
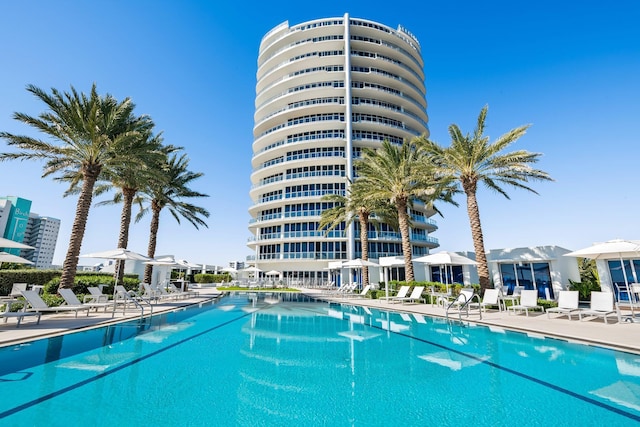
[269,360]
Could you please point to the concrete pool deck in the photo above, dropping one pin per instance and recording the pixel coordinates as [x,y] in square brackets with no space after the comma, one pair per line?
[623,336]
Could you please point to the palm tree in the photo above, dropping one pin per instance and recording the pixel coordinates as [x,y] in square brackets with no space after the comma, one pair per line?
[399,174]
[92,131]
[169,192]
[146,155]
[356,205]
[472,159]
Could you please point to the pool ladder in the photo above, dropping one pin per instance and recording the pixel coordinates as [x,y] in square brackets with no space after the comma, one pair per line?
[465,306]
[136,300]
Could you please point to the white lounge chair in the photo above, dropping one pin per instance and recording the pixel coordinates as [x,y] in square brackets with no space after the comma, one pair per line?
[402,293]
[416,295]
[528,301]
[567,304]
[16,289]
[601,306]
[490,298]
[362,294]
[95,295]
[37,304]
[72,301]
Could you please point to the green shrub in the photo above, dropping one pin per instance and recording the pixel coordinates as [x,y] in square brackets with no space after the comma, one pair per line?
[584,289]
[212,278]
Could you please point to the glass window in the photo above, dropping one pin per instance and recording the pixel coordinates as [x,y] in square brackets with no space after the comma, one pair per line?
[542,274]
[508,276]
[525,277]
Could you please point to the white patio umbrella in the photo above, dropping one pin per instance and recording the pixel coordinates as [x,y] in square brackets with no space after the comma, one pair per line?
[445,259]
[386,264]
[272,273]
[618,249]
[10,244]
[7,257]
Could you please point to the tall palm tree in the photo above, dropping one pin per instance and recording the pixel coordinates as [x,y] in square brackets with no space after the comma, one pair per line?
[146,157]
[170,192]
[356,205]
[472,159]
[399,174]
[92,131]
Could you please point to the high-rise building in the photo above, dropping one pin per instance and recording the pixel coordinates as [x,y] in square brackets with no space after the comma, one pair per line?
[19,224]
[326,89]
[15,216]
[42,234]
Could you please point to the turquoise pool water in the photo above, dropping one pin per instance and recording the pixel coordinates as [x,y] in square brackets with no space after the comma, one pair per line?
[255,360]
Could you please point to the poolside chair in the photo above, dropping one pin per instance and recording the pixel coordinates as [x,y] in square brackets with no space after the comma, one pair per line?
[362,294]
[402,293]
[528,301]
[179,292]
[601,306]
[567,304]
[72,301]
[19,315]
[16,289]
[416,295]
[36,304]
[95,295]
[491,298]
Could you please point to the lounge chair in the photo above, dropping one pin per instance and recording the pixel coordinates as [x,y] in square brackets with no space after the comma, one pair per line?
[21,314]
[416,295]
[491,298]
[528,301]
[37,304]
[95,295]
[72,301]
[402,293]
[362,294]
[567,304]
[179,292]
[601,306]
[16,289]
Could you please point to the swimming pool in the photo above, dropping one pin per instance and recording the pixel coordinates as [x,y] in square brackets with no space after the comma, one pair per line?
[259,360]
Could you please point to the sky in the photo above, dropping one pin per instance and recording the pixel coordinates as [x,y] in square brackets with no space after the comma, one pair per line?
[570,69]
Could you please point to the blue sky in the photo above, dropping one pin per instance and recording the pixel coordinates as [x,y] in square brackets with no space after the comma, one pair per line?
[572,71]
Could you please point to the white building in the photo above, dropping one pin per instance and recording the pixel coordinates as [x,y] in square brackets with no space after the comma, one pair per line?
[42,234]
[326,89]
[544,268]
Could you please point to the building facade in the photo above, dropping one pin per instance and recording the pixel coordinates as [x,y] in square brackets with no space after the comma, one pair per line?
[19,224]
[42,234]
[326,89]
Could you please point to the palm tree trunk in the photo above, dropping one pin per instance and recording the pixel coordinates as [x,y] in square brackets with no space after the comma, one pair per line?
[125,222]
[403,222]
[364,242]
[478,239]
[153,233]
[70,265]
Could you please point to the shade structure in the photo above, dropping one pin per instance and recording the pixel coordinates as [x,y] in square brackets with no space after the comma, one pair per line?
[272,273]
[611,249]
[359,263]
[618,249]
[445,258]
[187,264]
[229,270]
[119,254]
[10,244]
[252,269]
[163,260]
[7,257]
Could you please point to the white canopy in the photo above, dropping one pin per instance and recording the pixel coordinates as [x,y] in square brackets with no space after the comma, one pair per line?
[7,257]
[445,258]
[10,244]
